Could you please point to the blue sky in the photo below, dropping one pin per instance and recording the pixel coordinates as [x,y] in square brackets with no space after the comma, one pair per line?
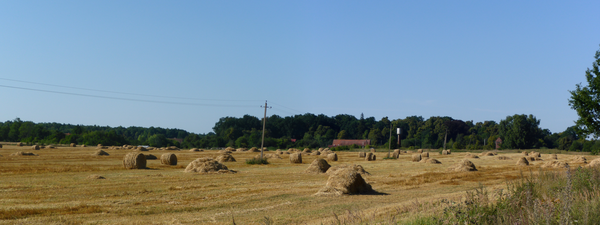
[470,60]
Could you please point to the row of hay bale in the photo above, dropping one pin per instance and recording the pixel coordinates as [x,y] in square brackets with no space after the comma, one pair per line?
[136,160]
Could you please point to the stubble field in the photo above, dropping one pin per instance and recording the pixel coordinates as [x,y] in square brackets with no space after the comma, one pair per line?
[55,187]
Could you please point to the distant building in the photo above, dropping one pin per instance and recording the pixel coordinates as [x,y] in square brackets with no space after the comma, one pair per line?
[344,142]
[498,143]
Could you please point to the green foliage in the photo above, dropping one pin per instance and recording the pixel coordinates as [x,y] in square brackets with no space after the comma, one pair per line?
[520,132]
[586,100]
[255,161]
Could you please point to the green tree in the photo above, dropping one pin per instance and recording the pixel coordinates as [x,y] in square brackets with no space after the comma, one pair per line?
[586,100]
[520,131]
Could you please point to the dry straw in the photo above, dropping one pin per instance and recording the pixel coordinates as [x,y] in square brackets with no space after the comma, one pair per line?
[20,144]
[100,153]
[555,164]
[431,161]
[225,158]
[95,176]
[362,154]
[35,147]
[315,153]
[594,163]
[357,168]
[525,153]
[23,154]
[151,157]
[370,156]
[168,159]
[207,165]
[523,162]
[332,157]
[444,152]
[471,156]
[318,166]
[580,160]
[73,145]
[141,149]
[345,181]
[531,158]
[536,154]
[295,158]
[416,157]
[553,156]
[373,150]
[425,155]
[464,166]
[502,157]
[134,160]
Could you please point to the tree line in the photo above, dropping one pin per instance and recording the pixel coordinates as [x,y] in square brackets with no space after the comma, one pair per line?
[313,131]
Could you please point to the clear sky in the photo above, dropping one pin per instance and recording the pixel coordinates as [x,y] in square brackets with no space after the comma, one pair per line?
[470,60]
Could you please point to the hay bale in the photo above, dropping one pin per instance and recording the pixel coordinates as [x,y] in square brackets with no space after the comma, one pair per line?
[99,146]
[369,156]
[425,155]
[318,166]
[254,149]
[194,150]
[594,163]
[141,149]
[73,145]
[279,152]
[345,182]
[489,154]
[431,161]
[19,144]
[471,156]
[241,150]
[169,159]
[419,150]
[416,157]
[580,160]
[35,147]
[49,146]
[332,157]
[362,154]
[357,168]
[269,156]
[315,153]
[172,148]
[306,150]
[19,153]
[396,154]
[444,152]
[225,152]
[464,166]
[100,153]
[536,154]
[225,158]
[373,150]
[502,157]
[449,151]
[84,145]
[134,160]
[296,158]
[151,157]
[207,165]
[553,156]
[530,158]
[95,176]
[523,162]
[555,164]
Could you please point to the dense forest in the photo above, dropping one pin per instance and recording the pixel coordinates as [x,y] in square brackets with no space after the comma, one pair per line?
[309,130]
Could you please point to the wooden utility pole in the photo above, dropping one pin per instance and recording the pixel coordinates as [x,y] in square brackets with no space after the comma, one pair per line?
[262,144]
[446,136]
[390,141]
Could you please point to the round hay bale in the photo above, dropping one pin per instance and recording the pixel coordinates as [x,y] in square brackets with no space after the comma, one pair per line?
[99,146]
[315,153]
[369,156]
[84,145]
[536,154]
[345,181]
[523,162]
[269,156]
[553,156]
[207,165]
[373,150]
[100,153]
[95,176]
[531,158]
[134,160]
[416,157]
[396,154]
[524,153]
[502,157]
[19,153]
[419,150]
[20,144]
[444,152]
[35,147]
[362,154]
[230,149]
[73,145]
[296,158]
[449,151]
[168,159]
[326,149]
[254,149]
[464,166]
[225,152]
[225,158]
[279,152]
[151,157]
[425,155]
[176,148]
[318,166]
[489,154]
[357,168]
[580,160]
[471,156]
[49,146]
[141,149]
[306,150]
[194,150]
[433,161]
[332,157]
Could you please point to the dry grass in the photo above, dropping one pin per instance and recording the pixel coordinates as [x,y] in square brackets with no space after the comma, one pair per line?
[54,188]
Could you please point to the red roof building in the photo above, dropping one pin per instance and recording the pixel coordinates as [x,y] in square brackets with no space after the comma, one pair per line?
[344,142]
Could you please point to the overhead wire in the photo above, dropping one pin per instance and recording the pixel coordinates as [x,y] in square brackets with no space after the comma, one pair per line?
[124,99]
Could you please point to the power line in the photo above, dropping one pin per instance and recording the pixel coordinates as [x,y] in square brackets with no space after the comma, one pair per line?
[125,93]
[288,108]
[124,99]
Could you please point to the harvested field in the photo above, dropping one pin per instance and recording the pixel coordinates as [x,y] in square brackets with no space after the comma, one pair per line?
[63,185]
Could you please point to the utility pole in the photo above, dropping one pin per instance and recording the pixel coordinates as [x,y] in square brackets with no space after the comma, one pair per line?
[398,130]
[390,141]
[446,136]
[262,144]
